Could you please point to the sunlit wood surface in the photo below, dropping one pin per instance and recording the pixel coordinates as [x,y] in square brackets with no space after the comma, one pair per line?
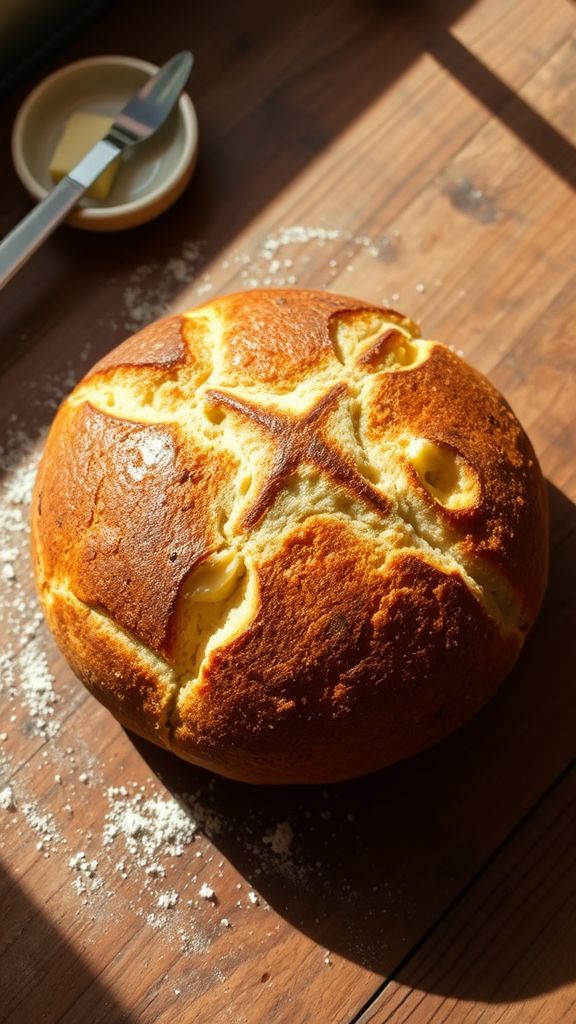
[419,153]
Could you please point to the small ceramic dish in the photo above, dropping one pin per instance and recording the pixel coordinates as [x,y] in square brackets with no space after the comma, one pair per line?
[152,174]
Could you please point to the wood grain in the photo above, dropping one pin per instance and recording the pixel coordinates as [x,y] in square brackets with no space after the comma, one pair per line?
[431,140]
[511,938]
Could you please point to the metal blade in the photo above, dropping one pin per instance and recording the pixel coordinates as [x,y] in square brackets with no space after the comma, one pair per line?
[149,108]
[139,119]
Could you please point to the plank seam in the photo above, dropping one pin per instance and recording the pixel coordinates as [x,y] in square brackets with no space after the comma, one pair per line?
[467,888]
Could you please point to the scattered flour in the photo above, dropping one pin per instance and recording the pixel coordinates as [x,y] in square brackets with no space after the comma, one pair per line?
[85,873]
[149,827]
[278,261]
[24,672]
[43,824]
[152,286]
[7,799]
[37,684]
[167,900]
[280,840]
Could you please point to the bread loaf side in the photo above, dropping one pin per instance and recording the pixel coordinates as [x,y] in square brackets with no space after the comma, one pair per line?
[287,538]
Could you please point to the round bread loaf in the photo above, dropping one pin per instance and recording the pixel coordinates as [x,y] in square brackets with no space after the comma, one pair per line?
[288,539]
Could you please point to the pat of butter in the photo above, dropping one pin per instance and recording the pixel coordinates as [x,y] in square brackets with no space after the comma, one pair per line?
[215,579]
[83,131]
[443,473]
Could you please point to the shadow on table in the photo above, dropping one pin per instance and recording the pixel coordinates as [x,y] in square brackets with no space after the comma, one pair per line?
[272,94]
[375,863]
[529,126]
[42,977]
[263,121]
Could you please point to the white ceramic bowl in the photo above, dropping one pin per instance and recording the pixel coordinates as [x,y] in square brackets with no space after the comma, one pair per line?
[152,175]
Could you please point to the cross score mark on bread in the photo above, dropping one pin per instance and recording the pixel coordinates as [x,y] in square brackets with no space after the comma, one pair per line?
[299,439]
[285,514]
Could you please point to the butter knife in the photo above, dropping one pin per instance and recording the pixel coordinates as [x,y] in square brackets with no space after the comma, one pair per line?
[144,113]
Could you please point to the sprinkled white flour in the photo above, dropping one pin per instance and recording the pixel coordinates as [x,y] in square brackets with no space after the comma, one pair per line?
[280,260]
[43,824]
[151,286]
[147,827]
[85,873]
[37,688]
[24,671]
[280,840]
[128,860]
[167,900]
[7,801]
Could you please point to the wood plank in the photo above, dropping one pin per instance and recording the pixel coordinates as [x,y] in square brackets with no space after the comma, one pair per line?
[372,863]
[506,953]
[248,164]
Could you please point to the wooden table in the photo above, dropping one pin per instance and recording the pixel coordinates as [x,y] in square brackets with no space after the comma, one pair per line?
[414,152]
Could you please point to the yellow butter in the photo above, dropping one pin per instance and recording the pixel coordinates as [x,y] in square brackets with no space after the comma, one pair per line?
[83,131]
[215,579]
[443,473]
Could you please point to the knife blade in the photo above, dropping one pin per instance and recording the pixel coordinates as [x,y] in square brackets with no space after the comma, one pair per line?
[140,118]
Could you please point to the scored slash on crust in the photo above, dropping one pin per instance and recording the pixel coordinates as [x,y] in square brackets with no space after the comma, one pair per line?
[298,440]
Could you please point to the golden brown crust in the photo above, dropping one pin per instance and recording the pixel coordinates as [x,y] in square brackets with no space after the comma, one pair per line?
[138,691]
[160,344]
[241,556]
[369,666]
[121,488]
[450,403]
[285,340]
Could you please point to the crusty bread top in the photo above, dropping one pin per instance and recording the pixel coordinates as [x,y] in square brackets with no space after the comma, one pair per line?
[198,471]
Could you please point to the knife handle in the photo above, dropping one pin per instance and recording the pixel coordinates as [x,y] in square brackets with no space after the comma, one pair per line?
[29,234]
[35,228]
